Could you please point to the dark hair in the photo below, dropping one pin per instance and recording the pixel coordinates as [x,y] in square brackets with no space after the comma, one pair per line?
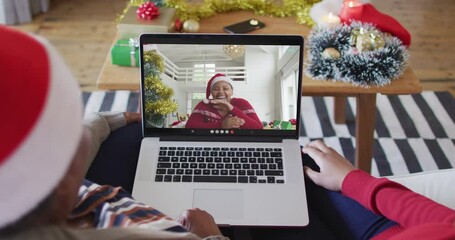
[33,218]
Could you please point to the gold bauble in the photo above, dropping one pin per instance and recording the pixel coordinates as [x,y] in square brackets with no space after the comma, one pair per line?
[366,40]
[331,53]
[191,26]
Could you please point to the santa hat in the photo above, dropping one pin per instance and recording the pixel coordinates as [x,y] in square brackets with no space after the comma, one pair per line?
[216,78]
[382,21]
[41,123]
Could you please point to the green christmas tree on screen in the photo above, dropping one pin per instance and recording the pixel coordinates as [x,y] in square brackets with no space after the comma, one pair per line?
[158,96]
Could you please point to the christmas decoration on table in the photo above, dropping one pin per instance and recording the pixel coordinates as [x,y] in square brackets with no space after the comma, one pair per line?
[158,102]
[125,52]
[158,3]
[130,25]
[330,20]
[147,11]
[351,10]
[358,53]
[286,8]
[178,25]
[323,9]
[360,11]
[191,26]
[366,40]
[383,22]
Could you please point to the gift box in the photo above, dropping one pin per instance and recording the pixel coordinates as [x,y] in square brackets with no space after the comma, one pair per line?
[125,52]
[283,125]
[132,26]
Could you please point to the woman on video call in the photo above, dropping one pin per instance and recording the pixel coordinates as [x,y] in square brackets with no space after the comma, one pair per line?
[223,110]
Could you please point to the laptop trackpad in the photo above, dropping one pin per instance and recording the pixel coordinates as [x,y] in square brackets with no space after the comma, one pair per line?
[221,204]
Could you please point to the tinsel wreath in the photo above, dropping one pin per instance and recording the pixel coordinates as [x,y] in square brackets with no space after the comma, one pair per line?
[375,67]
[158,97]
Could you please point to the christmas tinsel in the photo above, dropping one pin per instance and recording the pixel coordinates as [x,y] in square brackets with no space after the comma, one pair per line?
[158,97]
[285,8]
[376,67]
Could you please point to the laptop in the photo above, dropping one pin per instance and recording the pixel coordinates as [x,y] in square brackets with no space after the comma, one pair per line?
[240,161]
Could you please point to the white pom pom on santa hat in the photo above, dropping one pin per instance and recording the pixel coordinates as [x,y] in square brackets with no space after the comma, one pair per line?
[216,78]
[40,125]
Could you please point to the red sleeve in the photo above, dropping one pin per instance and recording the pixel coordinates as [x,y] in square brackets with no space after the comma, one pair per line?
[395,201]
[251,119]
[197,120]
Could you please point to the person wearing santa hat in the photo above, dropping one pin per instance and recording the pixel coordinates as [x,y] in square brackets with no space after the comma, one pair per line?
[46,148]
[223,110]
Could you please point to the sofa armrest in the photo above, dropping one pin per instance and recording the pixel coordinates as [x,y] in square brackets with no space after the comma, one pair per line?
[437,185]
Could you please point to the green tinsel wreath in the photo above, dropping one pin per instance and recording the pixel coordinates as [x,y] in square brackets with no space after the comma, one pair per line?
[376,67]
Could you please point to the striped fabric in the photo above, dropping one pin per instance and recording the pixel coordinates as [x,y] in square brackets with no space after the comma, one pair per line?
[106,206]
[414,133]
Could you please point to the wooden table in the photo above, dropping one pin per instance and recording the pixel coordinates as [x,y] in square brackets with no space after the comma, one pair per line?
[127,78]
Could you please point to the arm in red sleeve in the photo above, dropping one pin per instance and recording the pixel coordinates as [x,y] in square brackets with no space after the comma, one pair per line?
[394,201]
[198,120]
[251,119]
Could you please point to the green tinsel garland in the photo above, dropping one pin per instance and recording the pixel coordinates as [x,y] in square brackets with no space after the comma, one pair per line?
[332,56]
[158,97]
[286,8]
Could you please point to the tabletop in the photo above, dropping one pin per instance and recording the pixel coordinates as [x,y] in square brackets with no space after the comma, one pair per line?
[114,77]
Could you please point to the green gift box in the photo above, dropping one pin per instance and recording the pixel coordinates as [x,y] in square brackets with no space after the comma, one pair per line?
[284,125]
[125,52]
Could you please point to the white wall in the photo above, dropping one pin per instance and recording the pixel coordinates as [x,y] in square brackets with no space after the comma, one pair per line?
[259,89]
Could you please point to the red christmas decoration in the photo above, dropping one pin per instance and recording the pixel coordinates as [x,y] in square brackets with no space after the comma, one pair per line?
[178,25]
[383,22]
[148,11]
[293,121]
[175,123]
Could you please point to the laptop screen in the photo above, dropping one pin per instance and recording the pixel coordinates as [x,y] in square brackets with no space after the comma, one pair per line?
[221,86]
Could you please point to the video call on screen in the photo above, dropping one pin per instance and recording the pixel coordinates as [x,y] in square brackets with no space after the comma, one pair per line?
[265,76]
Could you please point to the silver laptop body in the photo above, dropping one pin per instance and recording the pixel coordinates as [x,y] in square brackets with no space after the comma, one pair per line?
[253,177]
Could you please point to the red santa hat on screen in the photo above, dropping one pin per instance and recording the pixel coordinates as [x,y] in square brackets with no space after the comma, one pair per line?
[40,125]
[216,78]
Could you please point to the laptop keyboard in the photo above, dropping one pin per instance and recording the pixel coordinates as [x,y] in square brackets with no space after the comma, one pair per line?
[221,165]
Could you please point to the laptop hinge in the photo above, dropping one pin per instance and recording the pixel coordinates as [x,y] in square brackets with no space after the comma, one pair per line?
[221,139]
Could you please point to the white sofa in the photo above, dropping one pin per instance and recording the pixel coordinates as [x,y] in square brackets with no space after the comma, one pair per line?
[438,185]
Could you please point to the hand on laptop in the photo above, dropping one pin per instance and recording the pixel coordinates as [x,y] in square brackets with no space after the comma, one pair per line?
[132,117]
[333,167]
[199,222]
